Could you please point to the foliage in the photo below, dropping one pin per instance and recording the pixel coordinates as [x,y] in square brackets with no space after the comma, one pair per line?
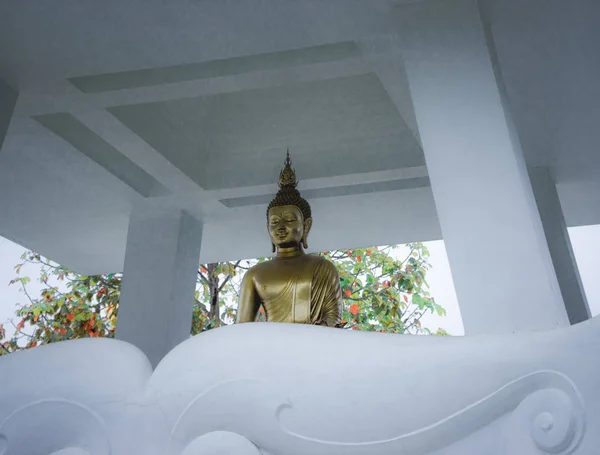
[385,294]
[69,306]
[381,293]
[213,295]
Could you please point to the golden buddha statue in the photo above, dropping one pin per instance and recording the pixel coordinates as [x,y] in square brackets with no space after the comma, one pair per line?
[293,286]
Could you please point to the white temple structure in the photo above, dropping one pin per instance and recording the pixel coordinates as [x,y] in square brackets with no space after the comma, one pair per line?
[140,136]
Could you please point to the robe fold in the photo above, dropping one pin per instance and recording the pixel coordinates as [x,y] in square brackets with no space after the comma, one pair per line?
[313,296]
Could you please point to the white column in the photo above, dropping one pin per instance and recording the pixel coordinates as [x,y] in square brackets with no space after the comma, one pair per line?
[8,99]
[498,254]
[559,243]
[159,278]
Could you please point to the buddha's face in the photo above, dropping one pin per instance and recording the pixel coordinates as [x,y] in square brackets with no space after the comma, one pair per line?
[287,226]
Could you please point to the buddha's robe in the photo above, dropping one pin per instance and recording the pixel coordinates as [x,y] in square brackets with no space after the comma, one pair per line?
[311,294]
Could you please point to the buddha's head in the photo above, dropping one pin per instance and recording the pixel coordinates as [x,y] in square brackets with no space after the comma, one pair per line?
[288,216]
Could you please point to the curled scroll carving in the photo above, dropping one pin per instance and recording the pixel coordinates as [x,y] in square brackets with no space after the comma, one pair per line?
[59,424]
[551,419]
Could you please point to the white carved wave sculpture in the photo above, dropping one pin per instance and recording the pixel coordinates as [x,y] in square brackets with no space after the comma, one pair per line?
[276,389]
[69,398]
[284,395]
[547,412]
[72,425]
[548,421]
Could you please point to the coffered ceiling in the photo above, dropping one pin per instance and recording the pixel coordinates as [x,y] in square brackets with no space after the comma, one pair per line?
[193,105]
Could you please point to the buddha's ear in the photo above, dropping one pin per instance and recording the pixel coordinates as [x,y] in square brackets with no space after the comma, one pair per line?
[307,226]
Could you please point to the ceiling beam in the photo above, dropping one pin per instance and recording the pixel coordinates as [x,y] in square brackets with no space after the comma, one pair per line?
[326,182]
[38,104]
[186,194]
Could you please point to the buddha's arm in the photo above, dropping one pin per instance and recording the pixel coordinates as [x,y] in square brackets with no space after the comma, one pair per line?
[249,300]
[327,295]
[333,311]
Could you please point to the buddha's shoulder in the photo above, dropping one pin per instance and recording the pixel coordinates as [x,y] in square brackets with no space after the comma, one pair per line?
[256,269]
[265,266]
[261,268]
[321,262]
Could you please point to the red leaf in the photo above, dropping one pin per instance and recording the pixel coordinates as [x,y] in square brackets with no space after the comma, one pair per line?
[348,293]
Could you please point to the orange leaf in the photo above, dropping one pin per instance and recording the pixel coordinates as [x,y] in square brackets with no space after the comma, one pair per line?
[354,309]
[63,330]
[348,293]
[70,316]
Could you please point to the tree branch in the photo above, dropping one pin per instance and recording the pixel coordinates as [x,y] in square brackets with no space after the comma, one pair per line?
[202,277]
[220,288]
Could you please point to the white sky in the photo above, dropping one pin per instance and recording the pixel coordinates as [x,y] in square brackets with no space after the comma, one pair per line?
[585,240]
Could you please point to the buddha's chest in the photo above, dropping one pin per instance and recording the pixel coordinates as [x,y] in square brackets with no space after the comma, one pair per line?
[284,290]
[279,277]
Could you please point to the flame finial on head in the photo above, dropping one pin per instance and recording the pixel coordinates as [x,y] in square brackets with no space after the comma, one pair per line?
[288,194]
[287,176]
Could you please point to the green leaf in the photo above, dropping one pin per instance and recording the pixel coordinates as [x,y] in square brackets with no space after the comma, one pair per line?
[418,300]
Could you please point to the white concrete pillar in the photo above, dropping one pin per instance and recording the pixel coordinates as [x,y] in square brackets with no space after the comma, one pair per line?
[8,99]
[498,254]
[559,244]
[159,279]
